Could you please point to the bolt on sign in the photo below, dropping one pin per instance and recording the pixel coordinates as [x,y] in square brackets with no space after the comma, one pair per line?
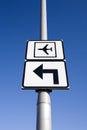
[45,66]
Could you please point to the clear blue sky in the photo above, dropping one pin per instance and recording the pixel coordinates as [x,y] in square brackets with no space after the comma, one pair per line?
[19,22]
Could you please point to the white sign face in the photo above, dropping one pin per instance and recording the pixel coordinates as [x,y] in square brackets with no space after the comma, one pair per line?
[45,75]
[38,50]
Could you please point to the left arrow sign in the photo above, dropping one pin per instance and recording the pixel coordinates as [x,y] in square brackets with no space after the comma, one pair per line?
[39,71]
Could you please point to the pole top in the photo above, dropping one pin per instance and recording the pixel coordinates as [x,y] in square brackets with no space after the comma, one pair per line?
[43,33]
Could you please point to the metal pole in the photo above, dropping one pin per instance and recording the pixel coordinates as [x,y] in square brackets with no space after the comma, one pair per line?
[43,103]
[43,21]
[43,111]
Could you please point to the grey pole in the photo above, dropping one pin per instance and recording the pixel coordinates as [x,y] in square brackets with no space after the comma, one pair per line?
[43,103]
[43,23]
[43,111]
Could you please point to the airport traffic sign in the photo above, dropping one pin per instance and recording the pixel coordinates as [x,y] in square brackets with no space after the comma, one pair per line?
[45,50]
[45,66]
[43,75]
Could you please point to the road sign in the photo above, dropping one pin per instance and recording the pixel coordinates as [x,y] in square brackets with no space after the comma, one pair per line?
[45,75]
[38,50]
[45,66]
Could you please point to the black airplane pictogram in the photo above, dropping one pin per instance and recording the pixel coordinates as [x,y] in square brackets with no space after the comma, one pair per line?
[45,49]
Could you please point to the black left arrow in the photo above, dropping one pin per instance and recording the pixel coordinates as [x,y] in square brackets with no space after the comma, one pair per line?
[39,71]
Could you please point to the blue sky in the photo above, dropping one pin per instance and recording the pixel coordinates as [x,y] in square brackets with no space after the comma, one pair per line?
[19,22]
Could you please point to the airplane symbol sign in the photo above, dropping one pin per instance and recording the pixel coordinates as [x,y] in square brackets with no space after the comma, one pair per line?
[45,49]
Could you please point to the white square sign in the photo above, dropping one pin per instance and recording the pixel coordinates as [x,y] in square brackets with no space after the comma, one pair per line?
[45,75]
[38,50]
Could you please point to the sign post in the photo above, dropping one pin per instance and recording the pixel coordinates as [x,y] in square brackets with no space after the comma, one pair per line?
[43,103]
[43,20]
[44,70]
